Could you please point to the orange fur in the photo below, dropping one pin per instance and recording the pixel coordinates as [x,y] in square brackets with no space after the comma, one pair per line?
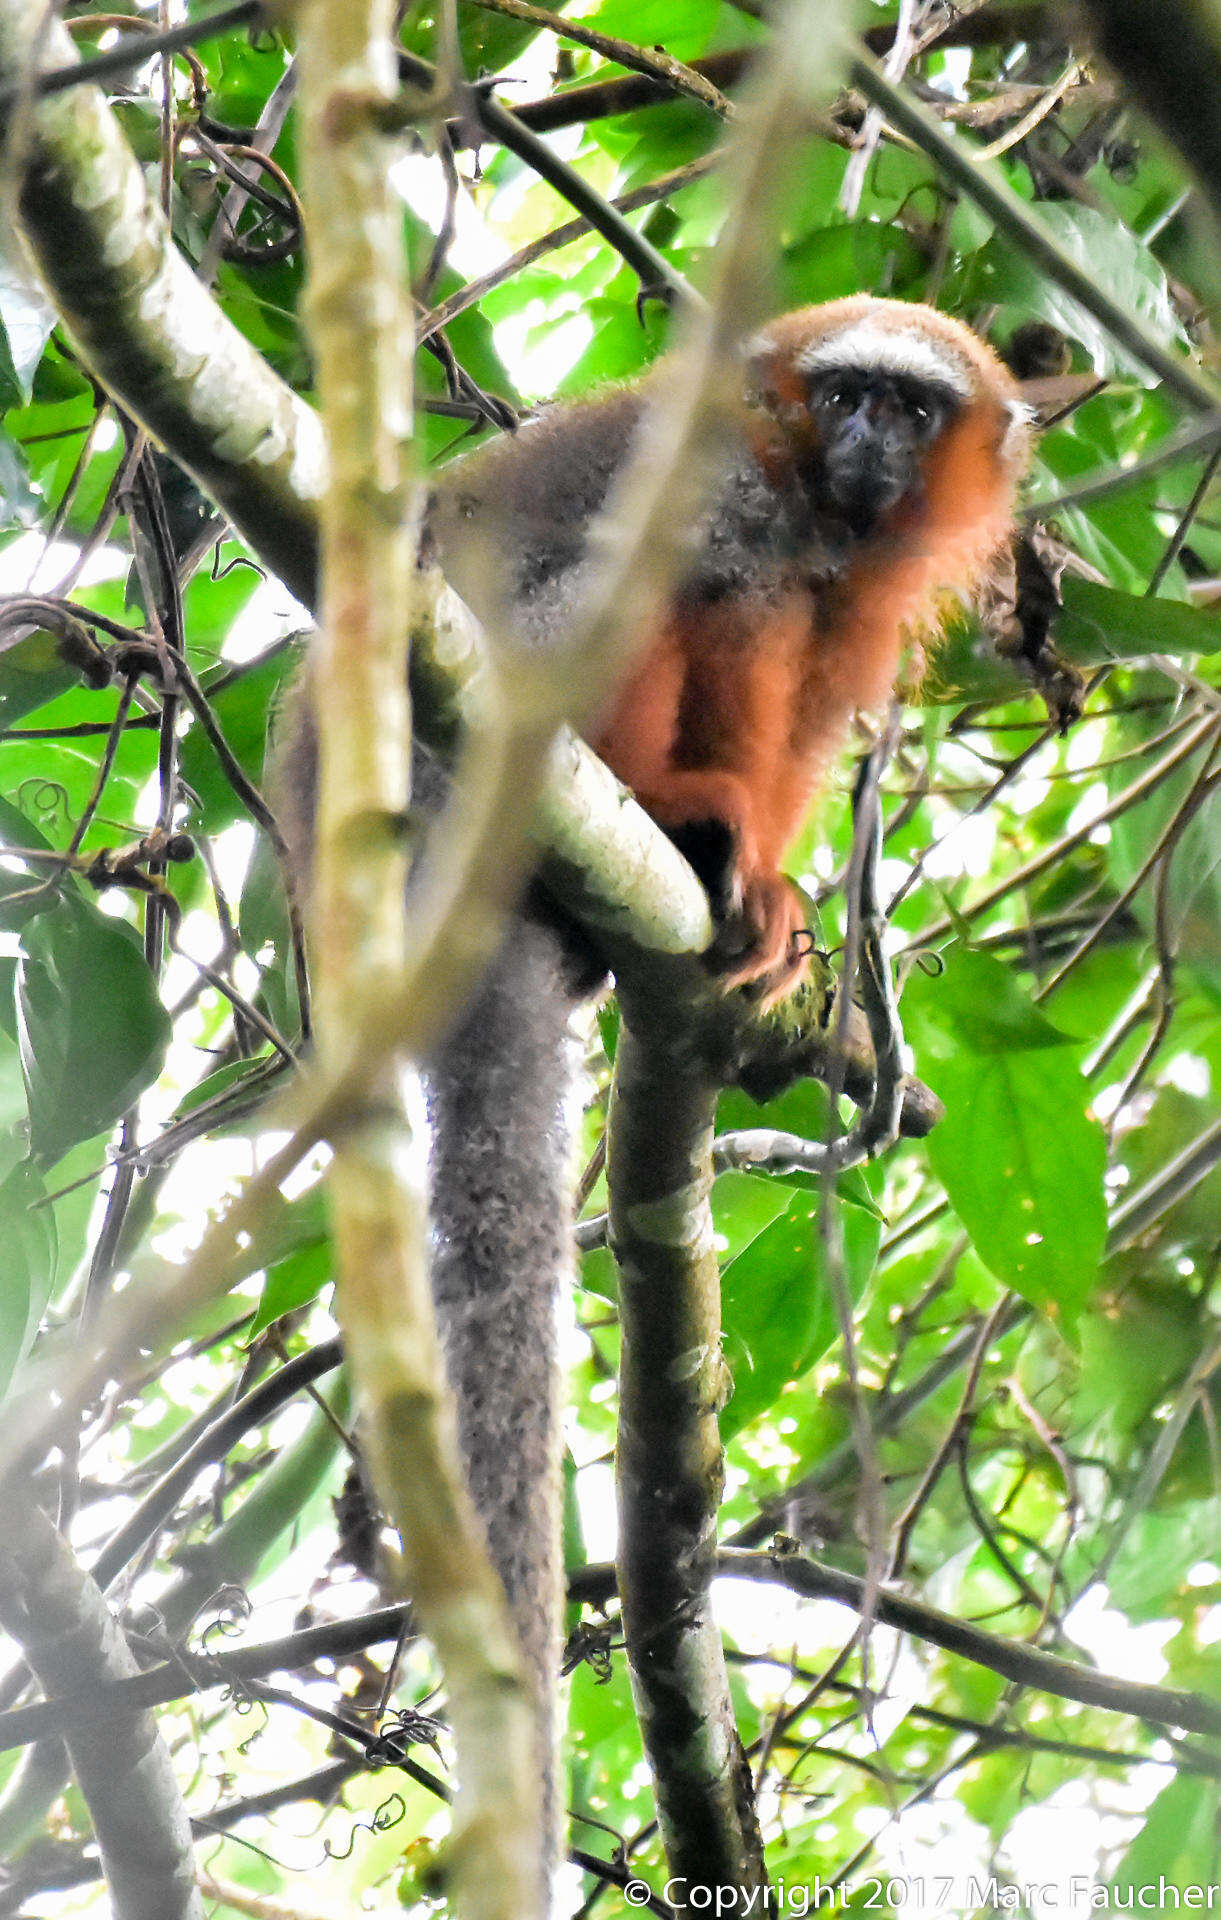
[735,710]
[793,615]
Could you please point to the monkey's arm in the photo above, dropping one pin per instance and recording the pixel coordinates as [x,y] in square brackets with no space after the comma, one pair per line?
[700,733]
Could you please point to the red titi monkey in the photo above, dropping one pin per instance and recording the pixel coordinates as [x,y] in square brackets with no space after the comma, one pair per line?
[879,445]
[874,462]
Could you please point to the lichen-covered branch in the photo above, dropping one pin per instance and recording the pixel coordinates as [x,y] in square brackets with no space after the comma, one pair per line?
[659,1175]
[145,325]
[368,534]
[668,1461]
[230,1555]
[58,1618]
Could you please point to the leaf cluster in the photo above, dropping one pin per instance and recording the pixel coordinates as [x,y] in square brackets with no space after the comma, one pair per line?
[1033,1292]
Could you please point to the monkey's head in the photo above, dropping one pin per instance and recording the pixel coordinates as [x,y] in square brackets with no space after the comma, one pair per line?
[897,419]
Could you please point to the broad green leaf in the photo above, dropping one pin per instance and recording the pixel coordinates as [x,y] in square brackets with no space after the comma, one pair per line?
[1099,624]
[28,1272]
[977,1003]
[1192,891]
[1133,1347]
[26,320]
[599,1273]
[743,1205]
[1147,1579]
[17,830]
[1174,1121]
[777,1306]
[31,673]
[1115,259]
[833,262]
[91,1028]
[293,1224]
[995,1789]
[52,786]
[801,1108]
[621,346]
[243,711]
[294,1282]
[266,936]
[1178,1842]
[18,502]
[683,27]
[605,1741]
[236,1095]
[1018,1153]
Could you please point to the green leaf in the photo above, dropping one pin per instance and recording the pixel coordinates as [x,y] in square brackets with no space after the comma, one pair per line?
[833,262]
[236,1096]
[777,1306]
[29,1265]
[90,1026]
[1115,259]
[26,320]
[622,345]
[1098,623]
[294,1282]
[17,830]
[242,712]
[1019,1155]
[267,937]
[683,27]
[1172,1123]
[52,784]
[977,1003]
[1192,892]
[18,501]
[31,673]
[744,1205]
[1178,1841]
[1149,1576]
[1133,1348]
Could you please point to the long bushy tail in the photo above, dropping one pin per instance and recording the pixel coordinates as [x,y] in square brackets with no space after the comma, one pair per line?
[501,1206]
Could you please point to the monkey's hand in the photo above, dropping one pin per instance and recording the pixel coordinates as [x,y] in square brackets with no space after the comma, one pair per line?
[767,943]
[763,937]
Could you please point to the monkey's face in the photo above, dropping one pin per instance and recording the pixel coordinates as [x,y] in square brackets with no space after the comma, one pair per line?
[871,427]
[895,422]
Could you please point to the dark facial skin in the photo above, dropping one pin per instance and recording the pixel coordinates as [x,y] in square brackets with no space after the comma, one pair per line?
[873,427]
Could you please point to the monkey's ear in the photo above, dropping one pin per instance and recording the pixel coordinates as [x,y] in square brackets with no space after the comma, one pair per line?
[772,379]
[1015,440]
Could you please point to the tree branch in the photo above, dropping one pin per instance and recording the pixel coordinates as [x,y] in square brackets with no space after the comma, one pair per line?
[1170,57]
[356,310]
[1025,1666]
[659,1175]
[58,1617]
[986,185]
[669,1468]
[671,74]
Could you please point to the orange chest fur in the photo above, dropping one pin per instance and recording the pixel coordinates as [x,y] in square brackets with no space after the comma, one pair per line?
[760,693]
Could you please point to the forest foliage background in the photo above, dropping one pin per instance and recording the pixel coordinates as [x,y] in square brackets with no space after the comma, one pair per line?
[1034,1288]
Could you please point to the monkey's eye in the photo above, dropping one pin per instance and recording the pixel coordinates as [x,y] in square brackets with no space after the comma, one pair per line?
[928,411]
[837,393]
[926,417]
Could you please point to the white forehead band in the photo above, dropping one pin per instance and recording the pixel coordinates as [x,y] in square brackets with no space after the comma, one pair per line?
[889,350]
